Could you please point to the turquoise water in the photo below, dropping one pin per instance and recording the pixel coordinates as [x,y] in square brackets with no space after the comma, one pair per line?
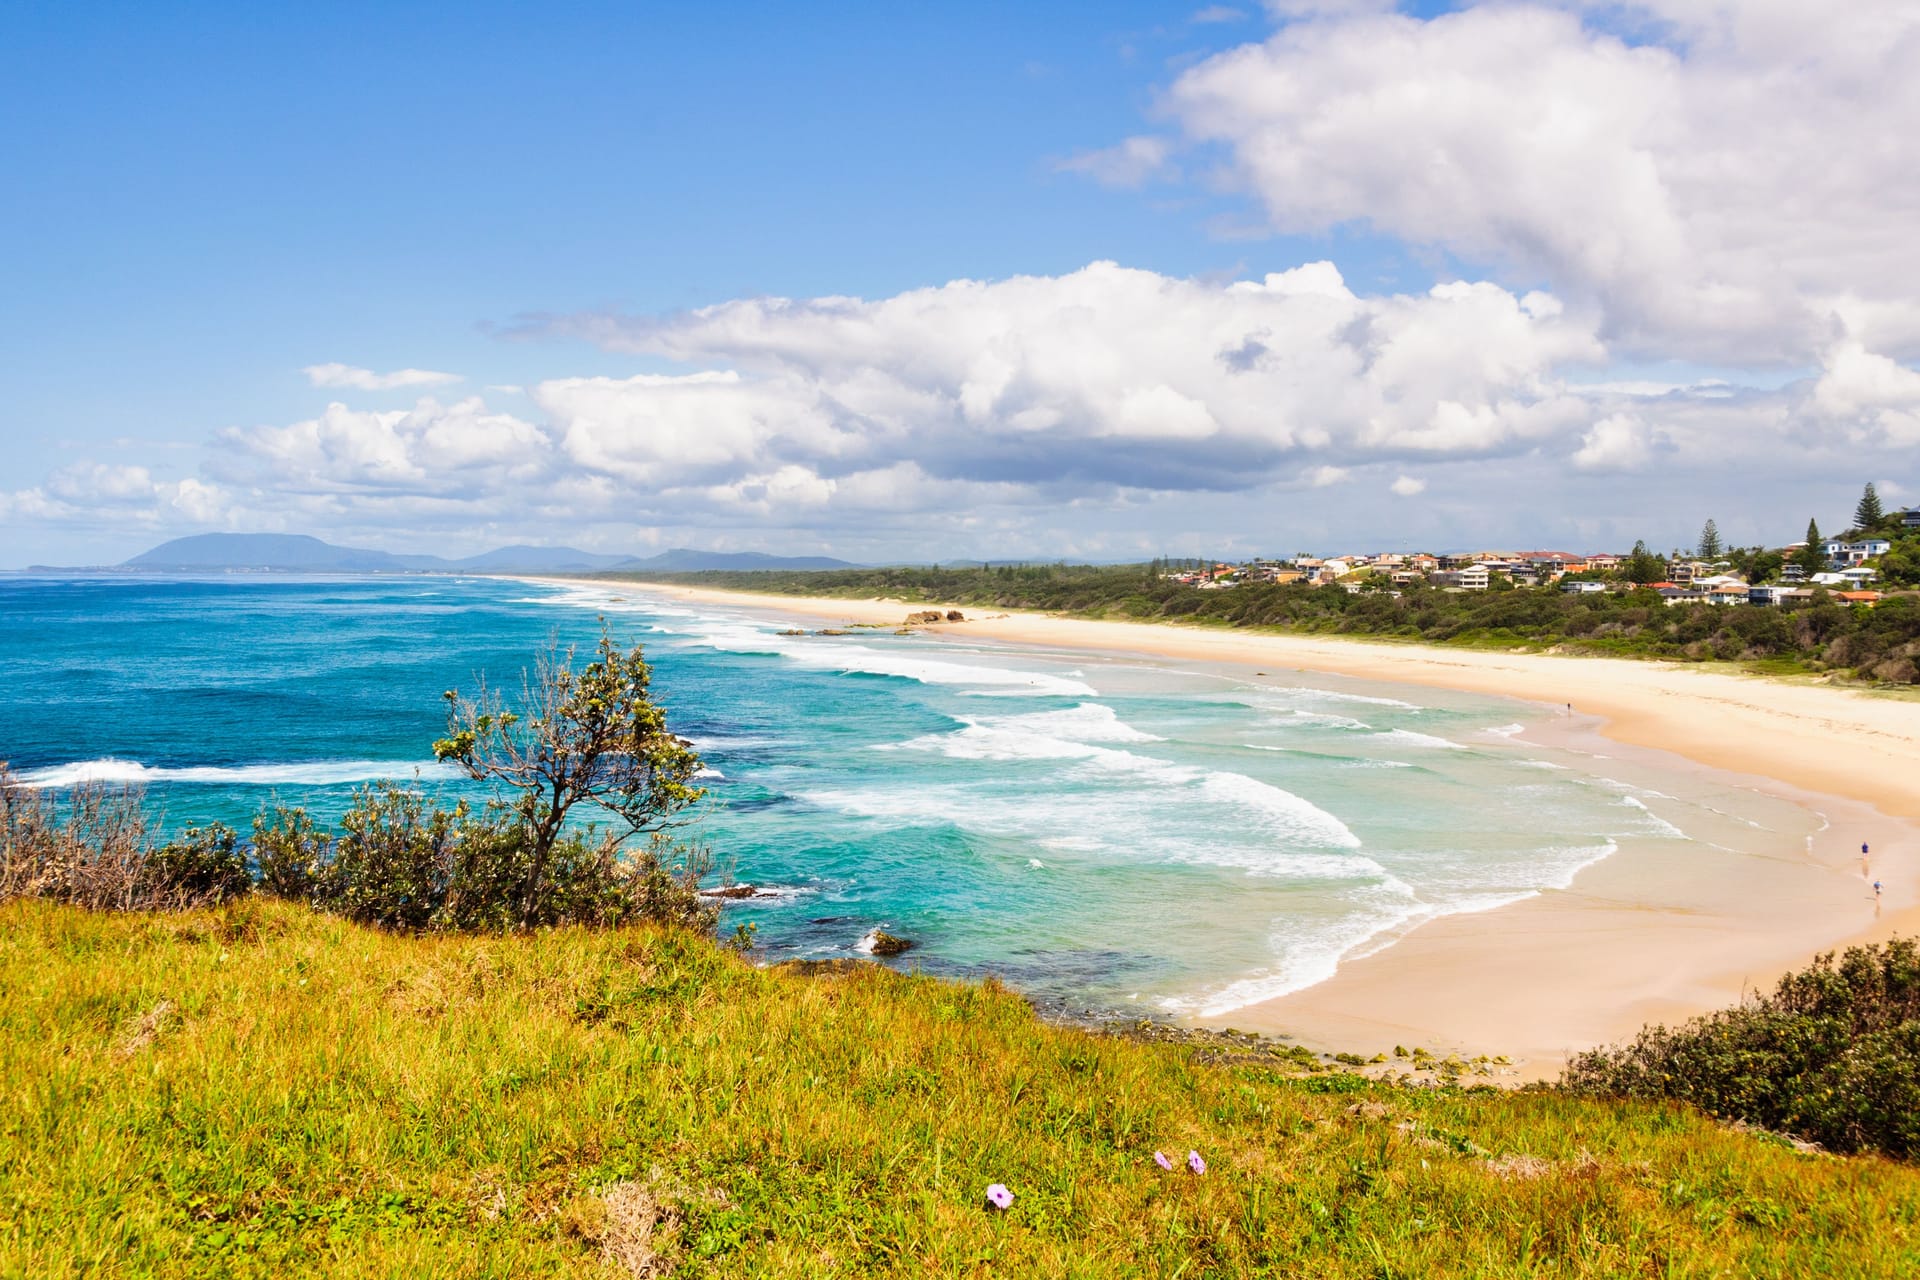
[1101,832]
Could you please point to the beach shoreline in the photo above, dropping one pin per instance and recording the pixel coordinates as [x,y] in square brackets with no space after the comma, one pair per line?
[1636,938]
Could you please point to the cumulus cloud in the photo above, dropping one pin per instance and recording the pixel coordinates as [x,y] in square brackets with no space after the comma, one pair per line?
[1407,486]
[429,448]
[346,375]
[1101,380]
[1735,184]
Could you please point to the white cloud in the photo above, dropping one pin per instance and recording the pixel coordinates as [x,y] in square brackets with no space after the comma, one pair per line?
[1321,477]
[1215,13]
[429,448]
[1407,486]
[1734,189]
[1130,163]
[346,375]
[1871,394]
[1618,442]
[1101,380]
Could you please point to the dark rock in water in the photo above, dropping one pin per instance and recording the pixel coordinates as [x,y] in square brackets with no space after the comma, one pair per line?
[954,615]
[792,631]
[885,944]
[729,891]
[831,631]
[829,920]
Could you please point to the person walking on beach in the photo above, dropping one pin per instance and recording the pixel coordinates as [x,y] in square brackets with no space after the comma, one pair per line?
[1876,891]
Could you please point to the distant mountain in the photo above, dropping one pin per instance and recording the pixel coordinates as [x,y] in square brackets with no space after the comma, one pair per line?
[523,559]
[292,552]
[682,560]
[299,553]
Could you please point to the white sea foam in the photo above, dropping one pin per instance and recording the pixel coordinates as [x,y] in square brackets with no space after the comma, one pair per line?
[317,773]
[1506,730]
[1311,954]
[1333,695]
[708,771]
[1410,738]
[1659,824]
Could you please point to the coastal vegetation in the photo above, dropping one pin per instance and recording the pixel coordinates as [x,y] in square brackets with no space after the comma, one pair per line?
[1831,1055]
[591,740]
[260,1089]
[1878,644]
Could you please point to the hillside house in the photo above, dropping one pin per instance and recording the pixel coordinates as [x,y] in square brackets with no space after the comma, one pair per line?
[1472,577]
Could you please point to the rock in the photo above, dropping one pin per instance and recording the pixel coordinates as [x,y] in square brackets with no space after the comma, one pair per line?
[729,891]
[954,615]
[794,631]
[885,944]
[831,631]
[923,617]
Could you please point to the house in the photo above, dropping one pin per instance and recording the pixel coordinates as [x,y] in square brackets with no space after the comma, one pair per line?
[1842,554]
[1582,588]
[1604,563]
[1730,592]
[1423,563]
[1910,518]
[1778,594]
[1867,598]
[1472,577]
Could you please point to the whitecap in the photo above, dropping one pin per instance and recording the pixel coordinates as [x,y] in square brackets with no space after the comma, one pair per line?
[317,773]
[1409,738]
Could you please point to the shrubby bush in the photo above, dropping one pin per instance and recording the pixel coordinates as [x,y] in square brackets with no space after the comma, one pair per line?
[591,741]
[1831,1055]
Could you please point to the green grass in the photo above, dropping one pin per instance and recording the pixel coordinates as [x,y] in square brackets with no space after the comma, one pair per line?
[265,1091]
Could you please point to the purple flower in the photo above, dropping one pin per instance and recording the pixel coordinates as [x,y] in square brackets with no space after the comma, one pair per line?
[998,1197]
[1160,1158]
[1195,1163]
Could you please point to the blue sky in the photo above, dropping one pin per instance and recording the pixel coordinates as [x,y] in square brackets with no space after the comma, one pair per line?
[206,200]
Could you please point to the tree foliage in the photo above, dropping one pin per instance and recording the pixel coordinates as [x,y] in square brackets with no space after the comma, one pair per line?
[591,737]
[1710,548]
[1868,515]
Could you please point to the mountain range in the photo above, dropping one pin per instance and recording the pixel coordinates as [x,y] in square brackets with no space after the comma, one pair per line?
[300,553]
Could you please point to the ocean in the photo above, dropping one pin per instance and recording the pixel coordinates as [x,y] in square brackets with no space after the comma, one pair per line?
[1103,833]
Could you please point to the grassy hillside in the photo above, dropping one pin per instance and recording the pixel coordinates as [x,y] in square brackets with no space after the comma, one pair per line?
[267,1091]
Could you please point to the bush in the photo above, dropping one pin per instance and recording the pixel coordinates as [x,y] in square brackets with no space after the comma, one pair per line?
[1831,1055]
[593,738]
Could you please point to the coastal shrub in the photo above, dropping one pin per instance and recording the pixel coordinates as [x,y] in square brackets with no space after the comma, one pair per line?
[203,867]
[1831,1055]
[85,845]
[578,742]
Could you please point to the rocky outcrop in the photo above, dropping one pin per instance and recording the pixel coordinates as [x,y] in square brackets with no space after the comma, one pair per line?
[924,617]
[885,944]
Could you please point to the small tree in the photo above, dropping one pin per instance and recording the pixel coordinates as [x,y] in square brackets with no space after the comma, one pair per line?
[1643,566]
[1810,557]
[592,736]
[1868,515]
[1710,548]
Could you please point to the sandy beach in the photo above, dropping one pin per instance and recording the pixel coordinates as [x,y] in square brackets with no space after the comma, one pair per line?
[1640,936]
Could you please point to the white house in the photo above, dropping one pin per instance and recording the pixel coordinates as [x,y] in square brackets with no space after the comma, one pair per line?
[1842,554]
[1582,588]
[1472,577]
